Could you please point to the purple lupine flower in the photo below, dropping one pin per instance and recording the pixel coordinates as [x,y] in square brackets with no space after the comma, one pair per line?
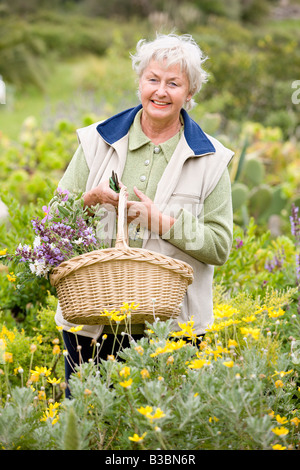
[63,193]
[298,269]
[61,235]
[276,262]
[239,243]
[295,223]
[295,229]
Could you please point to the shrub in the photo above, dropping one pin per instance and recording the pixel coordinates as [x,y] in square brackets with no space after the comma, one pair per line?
[235,391]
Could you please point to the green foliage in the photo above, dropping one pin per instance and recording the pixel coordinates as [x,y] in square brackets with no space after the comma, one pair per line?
[259,199]
[253,172]
[240,387]
[220,396]
[18,303]
[71,438]
[32,167]
[231,392]
[251,255]
[265,177]
[251,66]
[239,195]
[19,409]
[21,58]
[247,66]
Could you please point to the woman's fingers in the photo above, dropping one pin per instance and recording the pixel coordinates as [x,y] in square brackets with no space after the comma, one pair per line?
[103,195]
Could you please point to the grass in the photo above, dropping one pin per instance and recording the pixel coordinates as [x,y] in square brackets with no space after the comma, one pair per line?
[73,88]
[33,102]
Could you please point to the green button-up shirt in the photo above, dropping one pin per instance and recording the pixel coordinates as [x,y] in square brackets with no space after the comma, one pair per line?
[144,167]
[145,161]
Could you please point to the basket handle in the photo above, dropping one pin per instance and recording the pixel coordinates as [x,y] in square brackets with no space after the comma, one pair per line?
[122,232]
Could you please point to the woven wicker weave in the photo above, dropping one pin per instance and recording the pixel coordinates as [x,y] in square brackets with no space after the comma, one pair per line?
[103,279]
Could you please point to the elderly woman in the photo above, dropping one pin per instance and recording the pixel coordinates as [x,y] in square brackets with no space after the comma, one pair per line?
[179,193]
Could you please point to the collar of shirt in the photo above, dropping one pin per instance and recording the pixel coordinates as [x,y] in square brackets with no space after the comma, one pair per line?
[138,139]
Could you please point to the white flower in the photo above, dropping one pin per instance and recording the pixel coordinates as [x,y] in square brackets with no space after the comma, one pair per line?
[38,268]
[32,268]
[37,242]
[79,241]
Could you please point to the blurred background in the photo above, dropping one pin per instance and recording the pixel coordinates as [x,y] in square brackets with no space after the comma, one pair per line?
[66,64]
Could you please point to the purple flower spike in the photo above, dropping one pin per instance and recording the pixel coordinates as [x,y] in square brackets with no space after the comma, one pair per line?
[66,231]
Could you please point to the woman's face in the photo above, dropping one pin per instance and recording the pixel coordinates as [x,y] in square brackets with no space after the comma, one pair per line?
[163,91]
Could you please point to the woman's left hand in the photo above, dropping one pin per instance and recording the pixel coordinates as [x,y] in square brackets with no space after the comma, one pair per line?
[147,214]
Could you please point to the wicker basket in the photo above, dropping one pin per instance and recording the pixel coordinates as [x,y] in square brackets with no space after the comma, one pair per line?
[103,279]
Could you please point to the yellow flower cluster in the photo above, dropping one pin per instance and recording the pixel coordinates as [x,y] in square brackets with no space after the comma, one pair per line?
[198,363]
[224,311]
[253,332]
[75,329]
[11,277]
[223,314]
[51,413]
[118,316]
[39,372]
[125,372]
[137,438]
[280,431]
[282,422]
[277,314]
[6,337]
[169,347]
[203,356]
[139,349]
[126,383]
[218,326]
[187,330]
[147,411]
[7,334]
[145,374]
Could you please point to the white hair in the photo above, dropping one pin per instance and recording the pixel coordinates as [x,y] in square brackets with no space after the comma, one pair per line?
[172,49]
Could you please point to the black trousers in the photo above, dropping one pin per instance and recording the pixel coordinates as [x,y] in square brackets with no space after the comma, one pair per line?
[87,349]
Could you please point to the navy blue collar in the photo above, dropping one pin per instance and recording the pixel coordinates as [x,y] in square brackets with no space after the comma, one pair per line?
[117,126]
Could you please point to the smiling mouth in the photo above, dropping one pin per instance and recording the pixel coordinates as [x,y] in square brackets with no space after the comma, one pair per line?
[160,104]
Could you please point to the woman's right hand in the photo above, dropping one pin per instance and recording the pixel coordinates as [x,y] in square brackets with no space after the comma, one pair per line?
[103,195]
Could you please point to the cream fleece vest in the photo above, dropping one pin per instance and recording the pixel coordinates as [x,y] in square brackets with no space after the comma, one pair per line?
[190,177]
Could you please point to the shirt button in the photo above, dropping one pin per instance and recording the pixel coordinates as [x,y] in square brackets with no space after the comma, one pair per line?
[156,149]
[143,178]
[147,162]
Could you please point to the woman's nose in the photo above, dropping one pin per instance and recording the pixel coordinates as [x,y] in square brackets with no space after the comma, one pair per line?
[161,89]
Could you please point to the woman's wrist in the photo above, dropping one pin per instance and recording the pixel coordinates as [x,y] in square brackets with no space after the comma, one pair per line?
[89,199]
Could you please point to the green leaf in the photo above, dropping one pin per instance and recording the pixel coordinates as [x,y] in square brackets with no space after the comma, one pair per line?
[63,211]
[71,437]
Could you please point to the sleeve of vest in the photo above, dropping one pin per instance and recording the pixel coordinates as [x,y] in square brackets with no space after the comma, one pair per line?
[76,175]
[207,238]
